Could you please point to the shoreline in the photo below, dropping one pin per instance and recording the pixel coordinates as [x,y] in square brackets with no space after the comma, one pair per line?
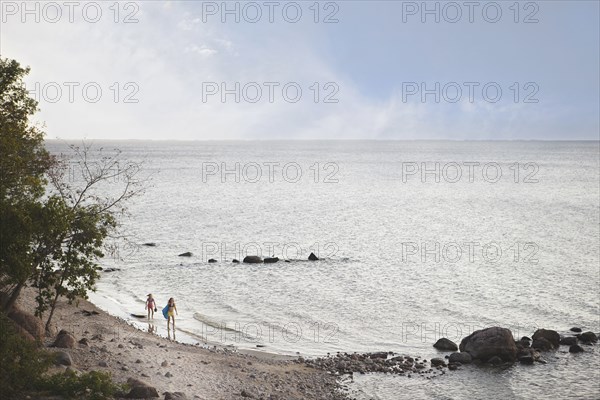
[110,344]
[187,338]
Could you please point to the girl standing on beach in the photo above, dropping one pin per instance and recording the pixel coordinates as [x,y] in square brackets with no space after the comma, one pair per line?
[150,305]
[171,312]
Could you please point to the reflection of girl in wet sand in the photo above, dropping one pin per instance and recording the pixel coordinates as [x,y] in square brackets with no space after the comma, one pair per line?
[150,306]
[171,312]
[151,328]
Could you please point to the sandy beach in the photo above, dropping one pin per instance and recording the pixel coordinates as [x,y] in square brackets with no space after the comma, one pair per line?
[126,352]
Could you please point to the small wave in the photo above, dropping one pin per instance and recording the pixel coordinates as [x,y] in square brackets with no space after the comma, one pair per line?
[213,324]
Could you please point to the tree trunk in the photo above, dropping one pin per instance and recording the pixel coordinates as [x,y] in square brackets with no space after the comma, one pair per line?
[53,307]
[12,299]
[56,296]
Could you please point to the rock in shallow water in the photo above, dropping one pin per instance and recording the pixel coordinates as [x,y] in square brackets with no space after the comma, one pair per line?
[312,257]
[487,343]
[445,345]
[526,359]
[588,337]
[435,362]
[575,349]
[551,336]
[186,254]
[463,358]
[568,341]
[252,260]
[542,344]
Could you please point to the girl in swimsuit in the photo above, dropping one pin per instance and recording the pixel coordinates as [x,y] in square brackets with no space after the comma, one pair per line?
[171,312]
[150,305]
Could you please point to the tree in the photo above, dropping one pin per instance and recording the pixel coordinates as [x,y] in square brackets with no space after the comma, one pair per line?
[76,220]
[56,213]
[23,164]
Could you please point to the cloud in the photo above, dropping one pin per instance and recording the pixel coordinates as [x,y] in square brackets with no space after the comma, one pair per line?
[203,50]
[163,64]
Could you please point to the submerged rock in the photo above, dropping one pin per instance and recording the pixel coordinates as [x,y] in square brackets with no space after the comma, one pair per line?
[568,341]
[212,260]
[435,362]
[186,254]
[588,337]
[150,244]
[575,349]
[445,345]
[463,358]
[526,359]
[542,344]
[487,343]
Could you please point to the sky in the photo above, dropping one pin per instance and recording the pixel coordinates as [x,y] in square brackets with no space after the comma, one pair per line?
[244,70]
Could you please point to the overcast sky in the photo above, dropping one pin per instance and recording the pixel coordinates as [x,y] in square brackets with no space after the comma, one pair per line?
[296,70]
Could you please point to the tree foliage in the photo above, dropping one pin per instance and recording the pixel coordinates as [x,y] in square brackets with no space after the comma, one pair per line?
[24,162]
[21,362]
[56,212]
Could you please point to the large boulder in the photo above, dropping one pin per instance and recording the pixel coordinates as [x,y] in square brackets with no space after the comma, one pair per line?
[140,390]
[445,345]
[552,336]
[64,340]
[252,260]
[490,342]
[28,322]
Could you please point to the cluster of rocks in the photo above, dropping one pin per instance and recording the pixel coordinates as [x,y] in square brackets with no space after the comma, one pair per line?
[253,259]
[382,362]
[496,345]
[271,260]
[493,346]
[137,388]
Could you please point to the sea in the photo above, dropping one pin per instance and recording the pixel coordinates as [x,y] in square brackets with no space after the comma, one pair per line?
[416,240]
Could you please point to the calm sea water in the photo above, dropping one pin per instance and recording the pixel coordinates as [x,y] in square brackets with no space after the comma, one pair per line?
[417,240]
